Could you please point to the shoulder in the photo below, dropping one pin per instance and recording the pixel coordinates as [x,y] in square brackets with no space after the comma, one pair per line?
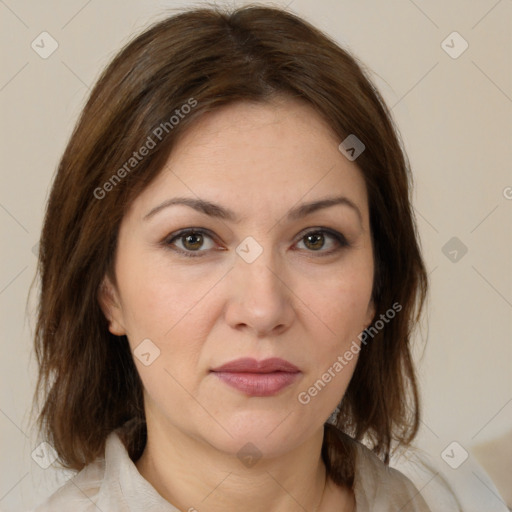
[88,488]
[378,486]
[111,482]
[79,493]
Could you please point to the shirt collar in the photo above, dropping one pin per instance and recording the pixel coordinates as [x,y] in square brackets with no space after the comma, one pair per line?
[124,486]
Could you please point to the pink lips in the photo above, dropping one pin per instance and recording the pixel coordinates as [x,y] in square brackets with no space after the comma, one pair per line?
[258,378]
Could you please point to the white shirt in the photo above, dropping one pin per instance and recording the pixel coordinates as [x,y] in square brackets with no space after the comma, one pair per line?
[113,483]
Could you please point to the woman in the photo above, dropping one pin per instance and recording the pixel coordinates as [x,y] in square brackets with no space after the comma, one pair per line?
[228,256]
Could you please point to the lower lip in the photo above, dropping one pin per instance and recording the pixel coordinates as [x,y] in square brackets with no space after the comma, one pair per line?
[258,384]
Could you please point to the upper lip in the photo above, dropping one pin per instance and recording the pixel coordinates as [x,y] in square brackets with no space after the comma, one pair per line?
[250,365]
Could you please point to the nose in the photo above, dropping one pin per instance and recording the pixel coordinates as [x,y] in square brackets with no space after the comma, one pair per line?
[260,300]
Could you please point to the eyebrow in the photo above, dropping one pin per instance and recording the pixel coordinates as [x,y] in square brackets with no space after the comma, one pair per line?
[215,210]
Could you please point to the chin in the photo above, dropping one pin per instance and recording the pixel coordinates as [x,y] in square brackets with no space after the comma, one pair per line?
[268,434]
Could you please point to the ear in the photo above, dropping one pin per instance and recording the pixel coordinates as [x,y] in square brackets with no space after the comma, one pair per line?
[370,313]
[110,305]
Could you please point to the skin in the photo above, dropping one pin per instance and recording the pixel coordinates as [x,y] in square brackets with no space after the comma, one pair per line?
[302,300]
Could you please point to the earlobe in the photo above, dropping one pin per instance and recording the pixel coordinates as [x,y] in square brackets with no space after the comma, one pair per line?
[370,314]
[109,304]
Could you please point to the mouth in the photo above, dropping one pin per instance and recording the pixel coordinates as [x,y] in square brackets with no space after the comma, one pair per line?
[258,378]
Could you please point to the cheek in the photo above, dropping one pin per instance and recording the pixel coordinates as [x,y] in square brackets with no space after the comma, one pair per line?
[159,297]
[176,311]
[341,298]
[341,301]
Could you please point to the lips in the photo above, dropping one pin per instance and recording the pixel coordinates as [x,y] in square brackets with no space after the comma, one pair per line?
[257,378]
[248,365]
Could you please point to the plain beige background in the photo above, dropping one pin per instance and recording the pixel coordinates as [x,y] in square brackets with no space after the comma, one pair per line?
[455,116]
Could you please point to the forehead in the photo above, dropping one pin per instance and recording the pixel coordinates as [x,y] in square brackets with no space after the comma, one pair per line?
[258,155]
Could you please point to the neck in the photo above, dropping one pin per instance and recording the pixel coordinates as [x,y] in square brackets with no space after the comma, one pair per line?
[173,463]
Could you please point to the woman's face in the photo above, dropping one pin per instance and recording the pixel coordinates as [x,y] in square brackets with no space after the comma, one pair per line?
[269,272]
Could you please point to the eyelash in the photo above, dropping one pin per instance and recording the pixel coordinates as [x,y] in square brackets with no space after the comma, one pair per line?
[168,242]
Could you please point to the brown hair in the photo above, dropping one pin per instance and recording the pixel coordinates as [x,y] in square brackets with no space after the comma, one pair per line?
[88,382]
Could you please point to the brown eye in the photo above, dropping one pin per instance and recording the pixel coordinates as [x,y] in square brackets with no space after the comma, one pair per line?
[193,241]
[324,241]
[190,242]
[314,241]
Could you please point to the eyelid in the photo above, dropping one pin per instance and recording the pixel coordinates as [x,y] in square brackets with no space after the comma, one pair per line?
[339,238]
[167,241]
[321,229]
